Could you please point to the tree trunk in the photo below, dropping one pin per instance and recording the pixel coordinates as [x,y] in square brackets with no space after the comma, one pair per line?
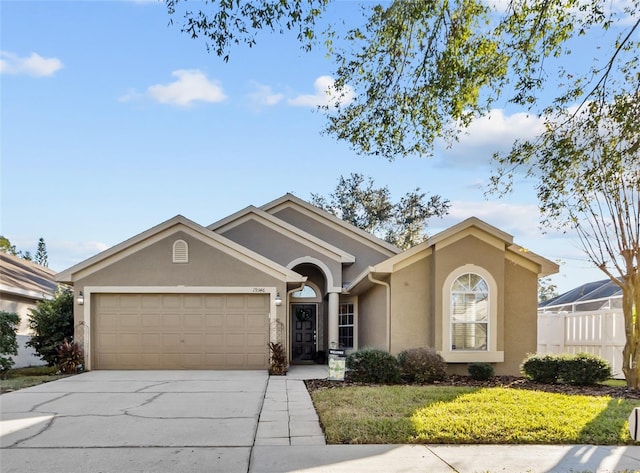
[631,351]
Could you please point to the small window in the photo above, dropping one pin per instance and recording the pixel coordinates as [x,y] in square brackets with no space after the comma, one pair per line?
[180,251]
[345,325]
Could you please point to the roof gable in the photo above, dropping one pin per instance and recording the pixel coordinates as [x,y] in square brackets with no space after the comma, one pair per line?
[284,228]
[319,215]
[161,231]
[478,228]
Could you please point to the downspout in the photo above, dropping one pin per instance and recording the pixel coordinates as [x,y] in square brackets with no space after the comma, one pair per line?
[388,287]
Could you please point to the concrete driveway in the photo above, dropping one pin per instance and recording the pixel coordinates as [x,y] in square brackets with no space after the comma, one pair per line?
[182,421]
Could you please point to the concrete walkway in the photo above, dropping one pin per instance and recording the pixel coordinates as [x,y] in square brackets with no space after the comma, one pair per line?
[232,422]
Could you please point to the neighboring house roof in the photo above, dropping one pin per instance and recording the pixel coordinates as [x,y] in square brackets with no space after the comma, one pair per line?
[282,227]
[471,226]
[173,225]
[316,213]
[24,278]
[586,292]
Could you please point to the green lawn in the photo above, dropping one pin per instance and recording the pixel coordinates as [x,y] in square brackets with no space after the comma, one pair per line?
[469,415]
[21,378]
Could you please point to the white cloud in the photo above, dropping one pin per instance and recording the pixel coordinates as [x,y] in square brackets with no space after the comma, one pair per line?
[64,253]
[325,94]
[264,96]
[521,220]
[190,86]
[494,132]
[33,65]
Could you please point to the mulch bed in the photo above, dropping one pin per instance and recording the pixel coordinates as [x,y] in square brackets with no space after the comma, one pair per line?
[514,382]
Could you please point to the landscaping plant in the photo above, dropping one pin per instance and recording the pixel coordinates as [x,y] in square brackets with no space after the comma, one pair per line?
[584,369]
[70,357]
[581,369]
[372,365]
[278,359]
[8,344]
[480,371]
[422,365]
[52,323]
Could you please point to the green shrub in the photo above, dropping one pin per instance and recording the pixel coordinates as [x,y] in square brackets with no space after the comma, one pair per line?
[583,369]
[422,365]
[480,371]
[52,323]
[541,368]
[9,322]
[578,370]
[70,357]
[372,365]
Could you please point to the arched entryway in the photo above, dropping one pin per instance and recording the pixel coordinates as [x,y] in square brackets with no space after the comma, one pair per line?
[307,310]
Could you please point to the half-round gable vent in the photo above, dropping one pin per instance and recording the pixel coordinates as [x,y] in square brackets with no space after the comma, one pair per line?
[180,251]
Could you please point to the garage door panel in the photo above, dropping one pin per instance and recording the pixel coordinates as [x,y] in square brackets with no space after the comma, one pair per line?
[236,360]
[171,321]
[193,321]
[151,320]
[257,302]
[180,331]
[131,340]
[193,360]
[236,301]
[256,321]
[193,302]
[213,301]
[151,301]
[235,321]
[256,360]
[129,320]
[171,302]
[172,360]
[193,341]
[235,340]
[256,340]
[129,301]
[214,321]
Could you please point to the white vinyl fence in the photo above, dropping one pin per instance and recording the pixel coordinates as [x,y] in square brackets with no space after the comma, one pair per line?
[571,329]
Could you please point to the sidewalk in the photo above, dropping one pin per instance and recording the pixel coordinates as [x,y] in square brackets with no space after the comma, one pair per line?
[289,439]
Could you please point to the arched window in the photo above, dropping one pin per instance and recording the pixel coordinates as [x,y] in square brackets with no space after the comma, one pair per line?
[307,292]
[180,251]
[469,313]
[470,316]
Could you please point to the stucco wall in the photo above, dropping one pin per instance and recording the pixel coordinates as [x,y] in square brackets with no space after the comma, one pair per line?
[411,313]
[521,316]
[372,323]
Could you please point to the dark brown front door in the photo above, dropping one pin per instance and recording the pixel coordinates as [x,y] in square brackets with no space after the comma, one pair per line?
[303,333]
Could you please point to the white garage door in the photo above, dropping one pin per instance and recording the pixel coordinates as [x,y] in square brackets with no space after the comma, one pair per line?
[180,331]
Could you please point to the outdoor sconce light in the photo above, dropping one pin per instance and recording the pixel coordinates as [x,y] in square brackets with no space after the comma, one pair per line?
[80,299]
[278,300]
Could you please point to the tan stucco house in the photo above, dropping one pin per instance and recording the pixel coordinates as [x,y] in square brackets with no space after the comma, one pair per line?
[184,296]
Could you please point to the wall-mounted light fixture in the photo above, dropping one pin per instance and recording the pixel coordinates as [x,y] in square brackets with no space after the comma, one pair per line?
[80,299]
[278,299]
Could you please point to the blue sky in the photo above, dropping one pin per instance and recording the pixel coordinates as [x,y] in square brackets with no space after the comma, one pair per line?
[112,122]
